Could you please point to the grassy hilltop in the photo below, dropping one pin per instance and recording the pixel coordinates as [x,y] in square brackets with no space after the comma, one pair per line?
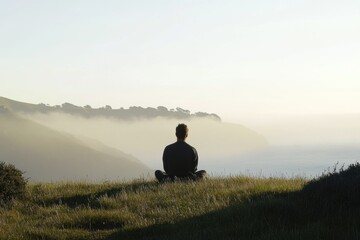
[223,208]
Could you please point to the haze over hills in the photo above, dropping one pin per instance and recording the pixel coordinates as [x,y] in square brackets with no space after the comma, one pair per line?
[144,135]
[48,155]
[301,144]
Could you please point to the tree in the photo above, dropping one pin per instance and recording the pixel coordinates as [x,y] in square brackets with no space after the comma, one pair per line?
[12,183]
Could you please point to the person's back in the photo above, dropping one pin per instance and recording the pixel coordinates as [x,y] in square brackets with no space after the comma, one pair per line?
[180,159]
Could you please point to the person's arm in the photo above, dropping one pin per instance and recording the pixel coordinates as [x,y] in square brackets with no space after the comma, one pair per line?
[166,162]
[196,160]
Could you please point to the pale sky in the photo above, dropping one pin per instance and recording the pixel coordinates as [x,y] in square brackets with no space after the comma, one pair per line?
[225,57]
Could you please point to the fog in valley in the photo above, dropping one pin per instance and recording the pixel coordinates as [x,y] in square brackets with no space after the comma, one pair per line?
[146,139]
[307,129]
[303,144]
[68,142]
[272,145]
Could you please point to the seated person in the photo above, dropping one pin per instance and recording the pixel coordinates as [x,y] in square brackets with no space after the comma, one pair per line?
[180,160]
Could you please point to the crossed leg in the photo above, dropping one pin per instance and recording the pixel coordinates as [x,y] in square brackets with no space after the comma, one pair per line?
[163,177]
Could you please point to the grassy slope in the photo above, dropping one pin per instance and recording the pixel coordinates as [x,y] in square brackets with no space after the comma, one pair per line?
[231,208]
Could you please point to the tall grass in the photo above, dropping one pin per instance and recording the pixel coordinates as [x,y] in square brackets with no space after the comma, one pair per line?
[220,208]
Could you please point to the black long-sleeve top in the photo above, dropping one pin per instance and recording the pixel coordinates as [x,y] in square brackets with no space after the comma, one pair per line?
[180,159]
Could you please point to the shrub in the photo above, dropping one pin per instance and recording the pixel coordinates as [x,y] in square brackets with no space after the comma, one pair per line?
[336,188]
[12,183]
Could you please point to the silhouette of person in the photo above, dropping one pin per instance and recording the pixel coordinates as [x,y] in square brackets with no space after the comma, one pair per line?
[180,159]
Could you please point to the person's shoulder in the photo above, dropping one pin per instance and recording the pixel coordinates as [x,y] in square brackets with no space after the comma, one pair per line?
[191,149]
[170,145]
[188,145]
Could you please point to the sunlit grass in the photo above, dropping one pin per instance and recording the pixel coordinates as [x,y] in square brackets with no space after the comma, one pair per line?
[218,208]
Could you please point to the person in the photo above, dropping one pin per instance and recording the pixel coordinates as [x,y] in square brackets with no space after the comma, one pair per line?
[180,159]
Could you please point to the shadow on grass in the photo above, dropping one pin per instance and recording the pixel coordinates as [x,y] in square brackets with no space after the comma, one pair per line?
[266,216]
[328,207]
[91,199]
[263,214]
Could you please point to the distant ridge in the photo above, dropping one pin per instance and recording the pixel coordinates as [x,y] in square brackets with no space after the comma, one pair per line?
[87,111]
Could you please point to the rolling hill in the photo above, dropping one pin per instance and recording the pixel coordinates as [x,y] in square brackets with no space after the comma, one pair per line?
[48,155]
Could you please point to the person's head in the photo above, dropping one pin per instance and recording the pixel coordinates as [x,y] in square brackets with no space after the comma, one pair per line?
[181,131]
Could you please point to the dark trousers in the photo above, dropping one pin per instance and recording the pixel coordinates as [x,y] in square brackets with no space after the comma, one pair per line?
[163,177]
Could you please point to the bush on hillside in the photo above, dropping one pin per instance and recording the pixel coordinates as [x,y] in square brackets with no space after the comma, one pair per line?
[12,183]
[336,188]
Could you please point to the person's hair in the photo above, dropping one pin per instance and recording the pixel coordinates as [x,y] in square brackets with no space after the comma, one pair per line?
[181,131]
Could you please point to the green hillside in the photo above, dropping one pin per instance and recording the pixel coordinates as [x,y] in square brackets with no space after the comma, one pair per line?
[228,208]
[47,155]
